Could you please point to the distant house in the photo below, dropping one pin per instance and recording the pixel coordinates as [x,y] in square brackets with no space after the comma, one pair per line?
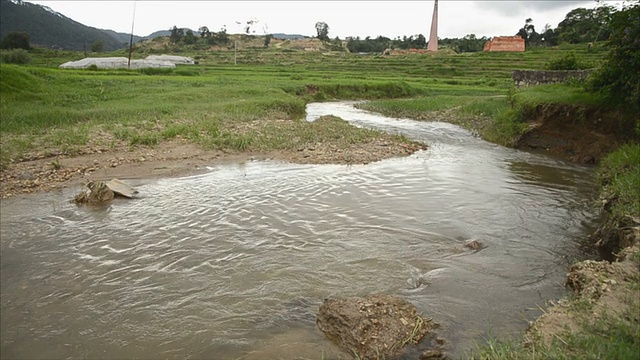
[505,43]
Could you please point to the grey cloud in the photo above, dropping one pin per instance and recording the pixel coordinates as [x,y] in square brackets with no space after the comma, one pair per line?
[521,8]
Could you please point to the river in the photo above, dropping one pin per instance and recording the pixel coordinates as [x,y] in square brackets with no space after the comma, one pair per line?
[233,263]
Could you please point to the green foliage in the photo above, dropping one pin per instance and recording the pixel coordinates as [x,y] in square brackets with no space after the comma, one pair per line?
[97,46]
[15,56]
[469,43]
[322,30]
[176,34]
[16,40]
[368,45]
[586,25]
[619,77]
[568,61]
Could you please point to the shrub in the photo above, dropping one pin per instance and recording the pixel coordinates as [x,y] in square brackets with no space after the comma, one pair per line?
[566,62]
[16,56]
[618,77]
[16,40]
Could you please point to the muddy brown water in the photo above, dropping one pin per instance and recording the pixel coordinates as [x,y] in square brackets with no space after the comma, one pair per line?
[233,263]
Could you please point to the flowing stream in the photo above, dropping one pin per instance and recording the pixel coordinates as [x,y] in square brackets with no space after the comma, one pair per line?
[234,263]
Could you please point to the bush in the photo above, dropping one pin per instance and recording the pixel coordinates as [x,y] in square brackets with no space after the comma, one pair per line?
[16,40]
[566,62]
[16,56]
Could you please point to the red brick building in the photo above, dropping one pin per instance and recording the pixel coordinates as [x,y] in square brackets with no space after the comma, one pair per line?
[505,43]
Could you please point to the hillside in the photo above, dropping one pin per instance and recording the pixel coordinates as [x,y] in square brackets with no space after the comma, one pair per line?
[51,29]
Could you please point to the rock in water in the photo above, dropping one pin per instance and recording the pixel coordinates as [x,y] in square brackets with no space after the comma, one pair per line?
[121,188]
[96,192]
[374,326]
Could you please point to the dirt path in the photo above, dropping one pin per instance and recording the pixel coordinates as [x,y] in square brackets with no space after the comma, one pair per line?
[171,159]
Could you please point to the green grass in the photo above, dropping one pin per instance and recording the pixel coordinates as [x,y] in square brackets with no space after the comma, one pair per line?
[573,94]
[42,106]
[619,177]
[612,337]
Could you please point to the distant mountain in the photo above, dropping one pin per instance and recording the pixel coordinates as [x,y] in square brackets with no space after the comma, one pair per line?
[123,38]
[51,29]
[289,36]
[154,35]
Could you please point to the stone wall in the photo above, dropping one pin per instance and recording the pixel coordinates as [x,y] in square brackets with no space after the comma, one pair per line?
[505,43]
[537,77]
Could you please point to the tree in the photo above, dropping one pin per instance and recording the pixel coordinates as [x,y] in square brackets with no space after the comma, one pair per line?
[618,76]
[267,40]
[323,31]
[97,46]
[528,33]
[219,38]
[16,40]
[586,25]
[204,32]
[420,42]
[190,38]
[176,34]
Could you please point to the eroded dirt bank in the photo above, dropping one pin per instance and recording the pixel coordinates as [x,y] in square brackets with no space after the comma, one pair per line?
[579,133]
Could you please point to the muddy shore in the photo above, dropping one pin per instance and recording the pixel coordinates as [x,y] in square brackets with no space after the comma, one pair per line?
[47,171]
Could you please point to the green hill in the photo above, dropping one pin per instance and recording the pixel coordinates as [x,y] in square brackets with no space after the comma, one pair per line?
[49,29]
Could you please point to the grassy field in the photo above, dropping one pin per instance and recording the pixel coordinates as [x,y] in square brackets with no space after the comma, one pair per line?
[44,108]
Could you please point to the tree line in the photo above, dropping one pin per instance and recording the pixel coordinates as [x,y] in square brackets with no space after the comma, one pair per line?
[580,25]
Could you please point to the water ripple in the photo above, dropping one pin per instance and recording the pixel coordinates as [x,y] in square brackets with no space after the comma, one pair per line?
[219,262]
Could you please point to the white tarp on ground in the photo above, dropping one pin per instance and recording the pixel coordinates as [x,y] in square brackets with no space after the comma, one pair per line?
[183,60]
[116,63]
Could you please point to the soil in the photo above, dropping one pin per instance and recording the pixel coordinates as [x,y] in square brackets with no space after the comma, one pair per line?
[47,171]
[602,290]
[578,133]
[373,327]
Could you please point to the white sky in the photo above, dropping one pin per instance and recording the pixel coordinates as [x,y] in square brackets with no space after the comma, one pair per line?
[362,18]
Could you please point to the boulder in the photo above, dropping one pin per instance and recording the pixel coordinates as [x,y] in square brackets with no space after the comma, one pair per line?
[121,188]
[98,192]
[95,193]
[372,327]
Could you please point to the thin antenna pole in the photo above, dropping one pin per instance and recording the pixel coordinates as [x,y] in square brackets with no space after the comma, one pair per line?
[131,38]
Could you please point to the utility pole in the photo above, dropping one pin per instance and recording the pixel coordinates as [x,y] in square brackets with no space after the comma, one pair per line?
[131,38]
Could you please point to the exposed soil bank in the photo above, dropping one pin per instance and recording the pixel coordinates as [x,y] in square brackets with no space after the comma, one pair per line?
[577,132]
[602,317]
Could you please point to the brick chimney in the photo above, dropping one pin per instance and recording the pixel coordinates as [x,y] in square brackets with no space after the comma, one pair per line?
[433,38]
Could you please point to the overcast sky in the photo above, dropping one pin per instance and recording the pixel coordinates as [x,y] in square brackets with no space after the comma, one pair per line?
[345,18]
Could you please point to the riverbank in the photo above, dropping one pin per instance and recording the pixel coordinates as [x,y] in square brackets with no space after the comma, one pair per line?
[330,141]
[601,319]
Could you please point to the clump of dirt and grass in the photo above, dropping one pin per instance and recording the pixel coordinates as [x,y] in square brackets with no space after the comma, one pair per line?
[374,326]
